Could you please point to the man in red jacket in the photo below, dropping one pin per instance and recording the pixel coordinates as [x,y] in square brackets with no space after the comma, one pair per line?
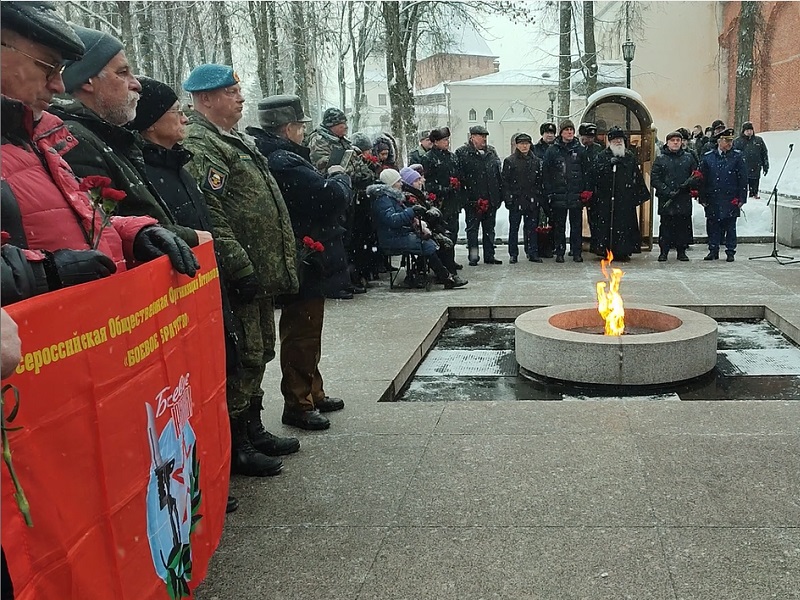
[47,220]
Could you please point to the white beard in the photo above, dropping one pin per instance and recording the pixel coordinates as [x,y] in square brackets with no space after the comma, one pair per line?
[617,150]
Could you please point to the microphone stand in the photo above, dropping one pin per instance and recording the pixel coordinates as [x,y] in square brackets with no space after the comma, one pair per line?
[774,254]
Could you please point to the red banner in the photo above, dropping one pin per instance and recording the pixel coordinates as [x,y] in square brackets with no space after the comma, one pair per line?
[124,446]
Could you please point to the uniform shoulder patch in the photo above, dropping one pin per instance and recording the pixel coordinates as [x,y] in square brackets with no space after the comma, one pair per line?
[215,180]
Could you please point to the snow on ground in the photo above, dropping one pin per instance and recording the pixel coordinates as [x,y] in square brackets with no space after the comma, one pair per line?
[757,218]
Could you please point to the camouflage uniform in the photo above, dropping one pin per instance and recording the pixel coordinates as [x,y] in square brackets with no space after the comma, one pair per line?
[252,233]
[321,141]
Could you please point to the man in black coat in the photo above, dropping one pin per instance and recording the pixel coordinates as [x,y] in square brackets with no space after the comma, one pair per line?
[316,205]
[755,155]
[617,188]
[547,131]
[425,144]
[442,179]
[479,169]
[588,133]
[676,179]
[522,187]
[565,186]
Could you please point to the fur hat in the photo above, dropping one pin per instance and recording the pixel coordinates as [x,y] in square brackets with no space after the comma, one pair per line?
[674,134]
[616,132]
[565,124]
[547,128]
[684,133]
[747,125]
[587,129]
[717,124]
[101,47]
[439,134]
[389,177]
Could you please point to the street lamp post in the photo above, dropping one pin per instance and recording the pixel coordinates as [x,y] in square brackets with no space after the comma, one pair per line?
[551,95]
[628,52]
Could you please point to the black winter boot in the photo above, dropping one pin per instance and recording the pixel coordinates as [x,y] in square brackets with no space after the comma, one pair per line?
[263,440]
[663,256]
[245,459]
[682,255]
[712,255]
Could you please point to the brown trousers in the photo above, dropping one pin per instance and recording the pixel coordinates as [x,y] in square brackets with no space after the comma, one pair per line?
[300,331]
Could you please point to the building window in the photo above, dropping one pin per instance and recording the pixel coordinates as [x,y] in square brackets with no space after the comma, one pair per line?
[473,116]
[381,99]
[489,116]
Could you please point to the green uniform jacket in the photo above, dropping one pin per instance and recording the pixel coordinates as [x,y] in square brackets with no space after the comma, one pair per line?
[115,152]
[321,141]
[252,229]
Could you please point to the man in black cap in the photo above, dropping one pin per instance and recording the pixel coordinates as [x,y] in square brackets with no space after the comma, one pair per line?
[717,127]
[618,188]
[723,192]
[755,155]
[46,216]
[565,185]
[522,188]
[425,144]
[316,205]
[479,174]
[588,134]
[325,141]
[442,179]
[547,133]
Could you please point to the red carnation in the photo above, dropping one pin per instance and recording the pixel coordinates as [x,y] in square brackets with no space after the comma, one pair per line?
[110,193]
[94,181]
[697,174]
[694,193]
[5,237]
[431,197]
[455,183]
[319,247]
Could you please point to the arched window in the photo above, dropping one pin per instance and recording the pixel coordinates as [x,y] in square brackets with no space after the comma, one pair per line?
[489,115]
[473,115]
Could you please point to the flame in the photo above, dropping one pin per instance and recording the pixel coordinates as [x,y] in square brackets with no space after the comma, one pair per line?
[609,303]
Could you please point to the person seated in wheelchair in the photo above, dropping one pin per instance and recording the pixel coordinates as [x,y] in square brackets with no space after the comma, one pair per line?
[400,230]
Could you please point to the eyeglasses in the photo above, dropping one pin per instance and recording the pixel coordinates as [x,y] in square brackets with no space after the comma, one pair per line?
[177,111]
[50,70]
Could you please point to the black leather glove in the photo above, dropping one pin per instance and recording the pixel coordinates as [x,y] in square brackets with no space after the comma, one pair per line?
[81,266]
[245,288]
[419,211]
[152,242]
[615,160]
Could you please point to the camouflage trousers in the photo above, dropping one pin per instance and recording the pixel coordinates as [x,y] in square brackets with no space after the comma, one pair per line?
[301,347]
[257,348]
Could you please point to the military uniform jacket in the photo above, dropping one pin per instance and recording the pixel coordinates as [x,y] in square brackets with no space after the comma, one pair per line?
[724,178]
[440,166]
[115,152]
[252,229]
[480,174]
[322,141]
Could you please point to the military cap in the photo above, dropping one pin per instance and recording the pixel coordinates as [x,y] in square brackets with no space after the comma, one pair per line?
[423,135]
[684,133]
[478,130]
[616,132]
[101,47]
[547,128]
[674,134]
[566,124]
[275,111]
[439,134]
[717,124]
[40,23]
[333,117]
[207,77]
[521,138]
[587,129]
[728,133]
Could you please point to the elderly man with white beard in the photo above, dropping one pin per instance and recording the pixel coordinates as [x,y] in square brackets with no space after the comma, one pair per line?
[618,188]
[104,97]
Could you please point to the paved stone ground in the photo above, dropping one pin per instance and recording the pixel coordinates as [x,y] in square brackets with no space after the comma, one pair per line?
[526,500]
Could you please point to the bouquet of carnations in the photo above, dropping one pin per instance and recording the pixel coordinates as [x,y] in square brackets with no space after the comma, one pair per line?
[482,206]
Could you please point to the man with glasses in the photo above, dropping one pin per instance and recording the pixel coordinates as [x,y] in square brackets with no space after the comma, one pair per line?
[104,96]
[46,216]
[256,249]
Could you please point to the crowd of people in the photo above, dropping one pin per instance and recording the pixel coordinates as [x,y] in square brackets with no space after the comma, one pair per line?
[297,217]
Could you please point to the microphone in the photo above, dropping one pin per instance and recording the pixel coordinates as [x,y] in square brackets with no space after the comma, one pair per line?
[791,146]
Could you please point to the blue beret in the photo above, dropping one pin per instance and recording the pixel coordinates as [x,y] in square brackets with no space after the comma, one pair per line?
[210,77]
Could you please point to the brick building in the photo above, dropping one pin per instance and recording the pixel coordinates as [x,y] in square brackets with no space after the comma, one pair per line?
[775,100]
[466,56]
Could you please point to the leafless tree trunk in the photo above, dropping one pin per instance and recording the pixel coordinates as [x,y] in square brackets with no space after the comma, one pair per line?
[274,56]
[257,12]
[299,36]
[564,58]
[397,18]
[147,39]
[360,42]
[221,14]
[123,10]
[589,58]
[745,60]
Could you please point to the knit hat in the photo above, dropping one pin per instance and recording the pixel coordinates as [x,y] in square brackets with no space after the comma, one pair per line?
[155,99]
[439,134]
[389,177]
[566,124]
[41,23]
[361,141]
[101,47]
[616,132]
[209,77]
[408,175]
[547,128]
[418,168]
[522,138]
[333,117]
[674,134]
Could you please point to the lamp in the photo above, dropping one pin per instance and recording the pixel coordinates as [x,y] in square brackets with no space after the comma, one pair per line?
[628,52]
[551,95]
